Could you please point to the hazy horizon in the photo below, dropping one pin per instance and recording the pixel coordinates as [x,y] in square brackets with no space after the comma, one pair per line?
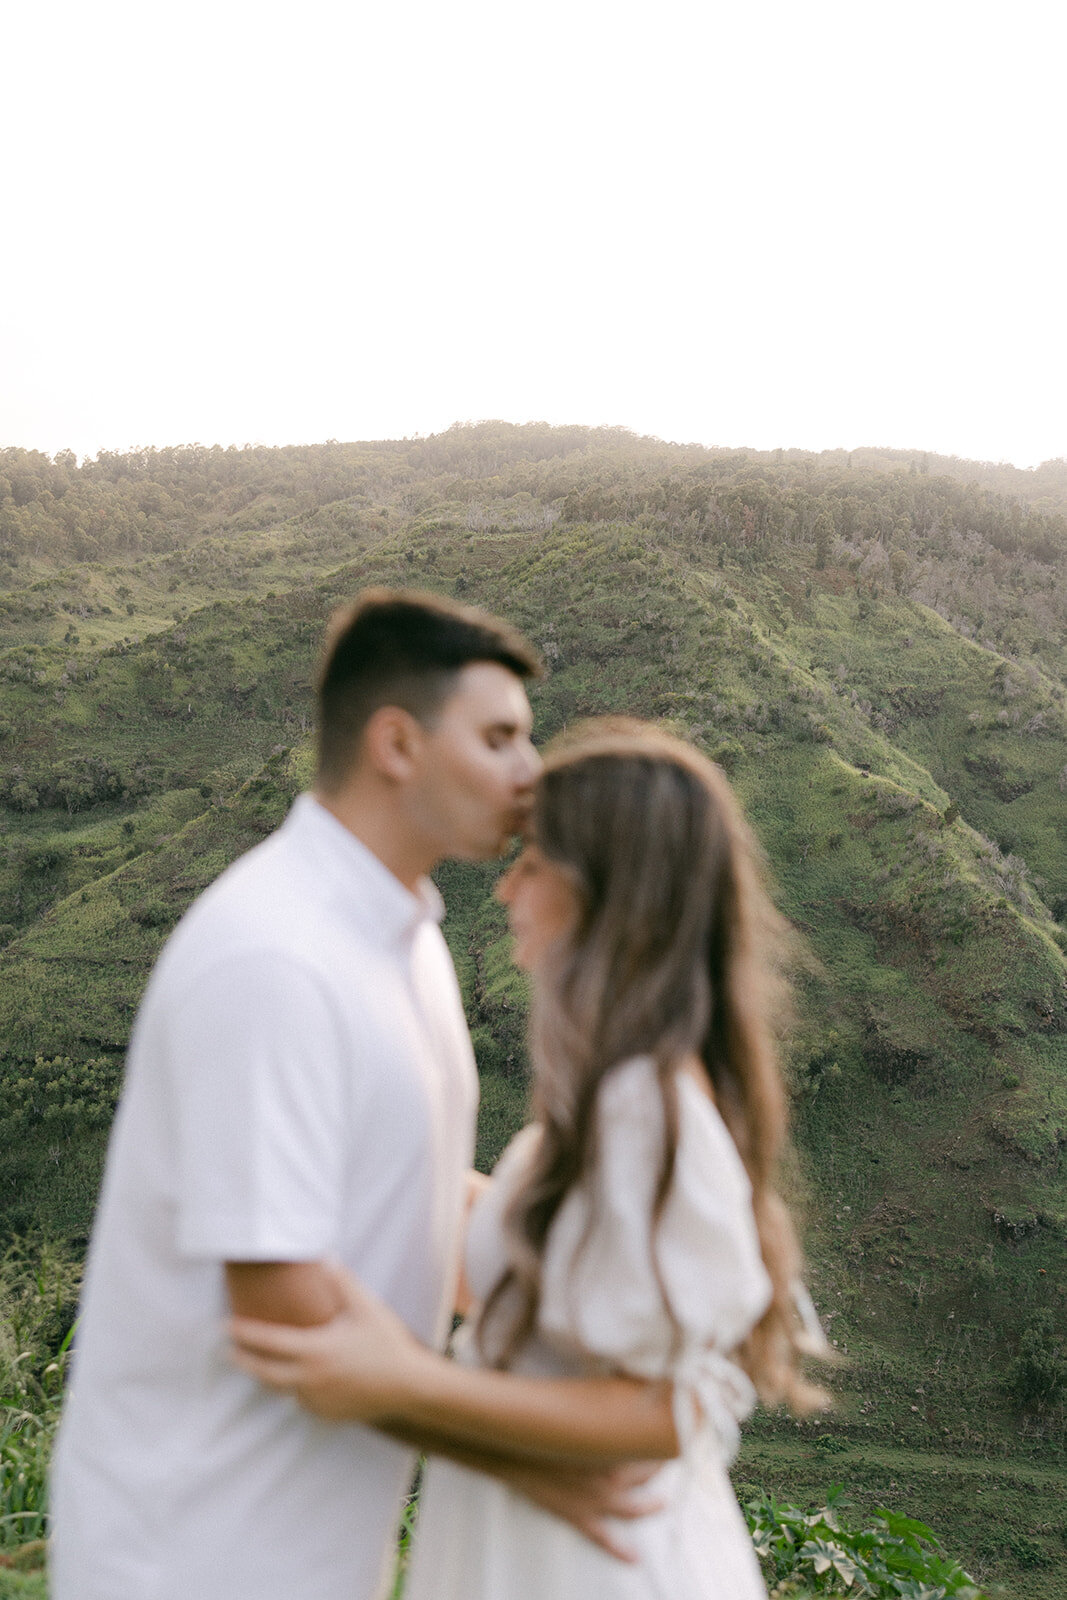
[278,444]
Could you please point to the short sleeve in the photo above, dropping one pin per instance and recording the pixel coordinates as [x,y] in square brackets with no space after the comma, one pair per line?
[259,1095]
[601,1290]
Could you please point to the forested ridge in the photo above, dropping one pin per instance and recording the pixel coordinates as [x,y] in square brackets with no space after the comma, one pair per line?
[873,644]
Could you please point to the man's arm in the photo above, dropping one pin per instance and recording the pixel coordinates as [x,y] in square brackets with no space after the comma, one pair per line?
[302,1293]
[477,1182]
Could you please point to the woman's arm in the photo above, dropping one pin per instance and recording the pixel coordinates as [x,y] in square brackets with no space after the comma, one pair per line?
[590,1421]
[366,1366]
[594,1500]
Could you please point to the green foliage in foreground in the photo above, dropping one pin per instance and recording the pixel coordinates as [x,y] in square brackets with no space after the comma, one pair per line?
[815,1553]
[23,1585]
[804,1555]
[25,1450]
[39,1283]
[406,1532]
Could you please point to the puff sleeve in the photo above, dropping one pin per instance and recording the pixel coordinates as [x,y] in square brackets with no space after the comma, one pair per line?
[601,1292]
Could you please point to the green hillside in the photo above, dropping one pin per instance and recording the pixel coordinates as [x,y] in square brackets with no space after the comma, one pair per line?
[874,646]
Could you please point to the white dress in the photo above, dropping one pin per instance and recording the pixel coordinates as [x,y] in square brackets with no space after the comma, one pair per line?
[602,1310]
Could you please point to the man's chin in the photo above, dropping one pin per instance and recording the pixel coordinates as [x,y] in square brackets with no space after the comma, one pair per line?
[487,850]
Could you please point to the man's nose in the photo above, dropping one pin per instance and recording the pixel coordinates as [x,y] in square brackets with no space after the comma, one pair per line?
[531,764]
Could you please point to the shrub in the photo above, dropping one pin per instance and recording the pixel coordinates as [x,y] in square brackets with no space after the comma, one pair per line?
[60,1091]
[728,753]
[153,914]
[1027,1552]
[1039,1372]
[816,1554]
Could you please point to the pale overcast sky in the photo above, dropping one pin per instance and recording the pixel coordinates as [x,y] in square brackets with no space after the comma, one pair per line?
[775,222]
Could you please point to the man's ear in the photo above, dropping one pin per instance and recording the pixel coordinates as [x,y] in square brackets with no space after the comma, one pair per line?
[392,743]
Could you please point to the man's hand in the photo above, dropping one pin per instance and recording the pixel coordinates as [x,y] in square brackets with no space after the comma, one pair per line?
[589,1499]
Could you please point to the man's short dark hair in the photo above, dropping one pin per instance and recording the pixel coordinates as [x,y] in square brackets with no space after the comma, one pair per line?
[402,647]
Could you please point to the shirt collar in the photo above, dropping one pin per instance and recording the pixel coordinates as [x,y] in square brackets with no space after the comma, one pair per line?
[370,892]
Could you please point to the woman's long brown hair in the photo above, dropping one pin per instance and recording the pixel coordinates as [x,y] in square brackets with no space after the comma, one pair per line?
[673,955]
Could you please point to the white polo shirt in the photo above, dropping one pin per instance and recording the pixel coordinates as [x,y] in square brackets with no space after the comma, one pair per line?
[300,1084]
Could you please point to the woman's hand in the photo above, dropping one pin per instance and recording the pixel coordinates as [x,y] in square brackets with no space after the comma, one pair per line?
[356,1367]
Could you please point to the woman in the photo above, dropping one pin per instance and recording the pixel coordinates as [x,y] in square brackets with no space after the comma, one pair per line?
[631,1236]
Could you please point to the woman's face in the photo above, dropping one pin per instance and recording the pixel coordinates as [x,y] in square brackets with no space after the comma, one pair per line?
[541,904]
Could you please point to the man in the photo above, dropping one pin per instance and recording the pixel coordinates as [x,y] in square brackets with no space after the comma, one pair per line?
[300,1088]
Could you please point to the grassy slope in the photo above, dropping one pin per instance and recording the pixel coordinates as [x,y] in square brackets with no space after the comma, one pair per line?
[929,1063]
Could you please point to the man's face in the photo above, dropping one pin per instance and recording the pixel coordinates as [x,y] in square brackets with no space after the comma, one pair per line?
[477,767]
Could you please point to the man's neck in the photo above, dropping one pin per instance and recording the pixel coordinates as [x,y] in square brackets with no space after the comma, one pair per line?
[376,823]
